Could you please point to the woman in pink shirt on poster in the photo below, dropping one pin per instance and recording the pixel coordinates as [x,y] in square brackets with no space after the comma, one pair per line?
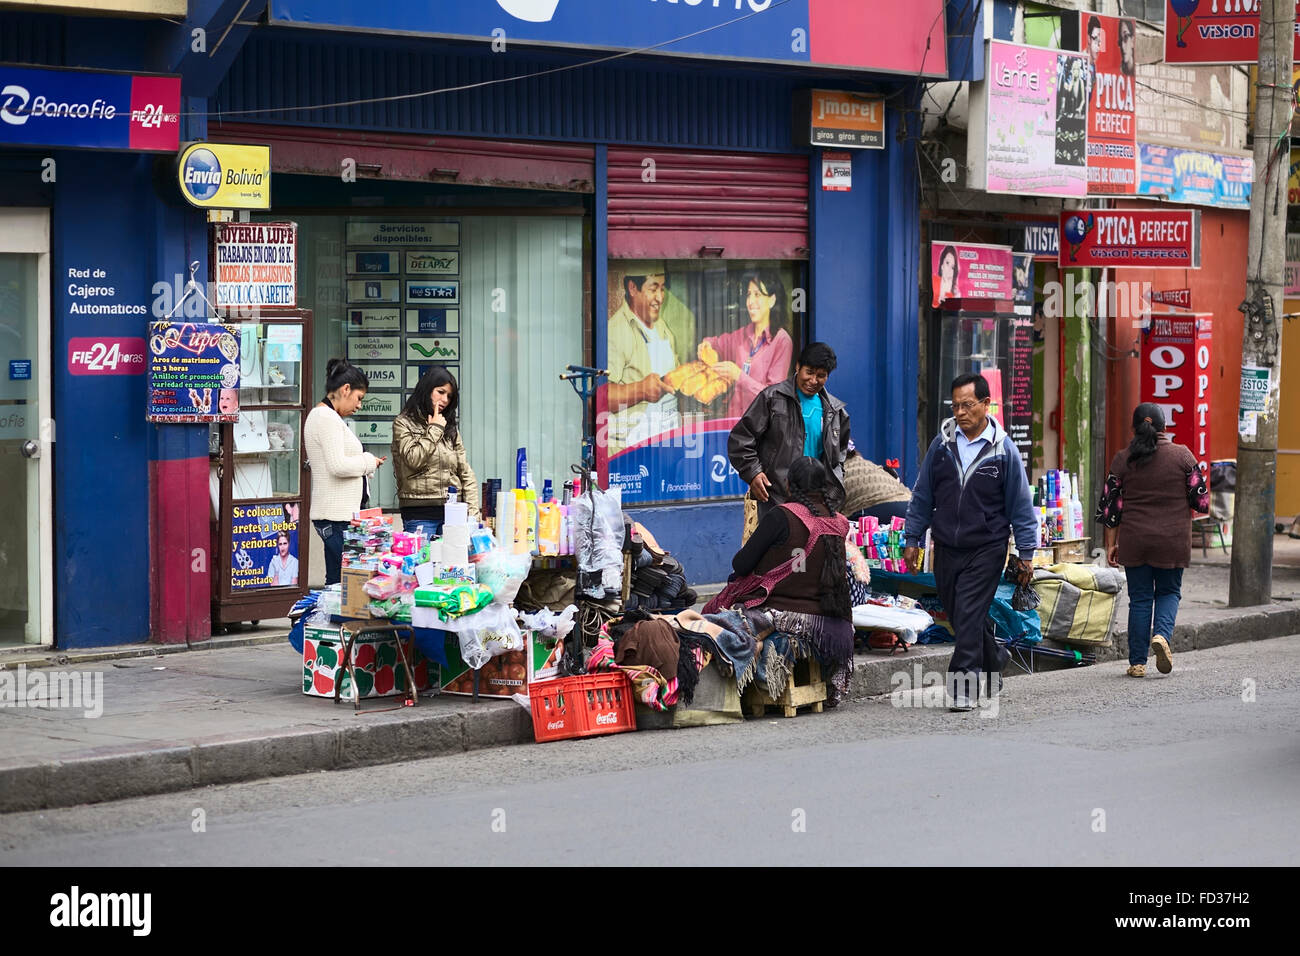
[756,355]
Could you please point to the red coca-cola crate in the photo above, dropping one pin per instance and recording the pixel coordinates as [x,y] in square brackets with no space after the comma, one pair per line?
[585,706]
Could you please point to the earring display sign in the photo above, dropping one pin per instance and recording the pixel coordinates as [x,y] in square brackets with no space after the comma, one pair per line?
[264,545]
[255,265]
[194,372]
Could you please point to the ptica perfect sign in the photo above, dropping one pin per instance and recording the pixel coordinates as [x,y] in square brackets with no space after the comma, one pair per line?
[225,176]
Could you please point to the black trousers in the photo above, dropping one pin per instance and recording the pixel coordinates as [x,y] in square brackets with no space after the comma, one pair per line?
[883,511]
[968,581]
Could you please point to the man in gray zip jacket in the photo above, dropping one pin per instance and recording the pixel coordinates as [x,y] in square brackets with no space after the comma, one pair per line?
[972,493]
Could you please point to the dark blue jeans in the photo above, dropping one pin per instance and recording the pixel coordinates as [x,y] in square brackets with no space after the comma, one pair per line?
[431,529]
[1151,590]
[331,533]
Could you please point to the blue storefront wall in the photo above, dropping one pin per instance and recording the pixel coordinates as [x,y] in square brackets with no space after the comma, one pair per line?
[115,222]
[864,269]
[108,219]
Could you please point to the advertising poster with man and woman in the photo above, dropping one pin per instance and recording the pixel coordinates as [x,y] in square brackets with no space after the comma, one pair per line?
[689,346]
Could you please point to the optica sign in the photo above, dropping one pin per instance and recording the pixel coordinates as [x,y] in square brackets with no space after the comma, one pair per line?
[224,176]
[1176,358]
[1213,31]
[1131,238]
[74,108]
[1110,44]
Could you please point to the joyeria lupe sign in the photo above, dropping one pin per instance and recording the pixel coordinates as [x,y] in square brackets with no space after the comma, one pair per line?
[1131,238]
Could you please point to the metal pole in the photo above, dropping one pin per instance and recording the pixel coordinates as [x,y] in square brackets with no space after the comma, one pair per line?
[1251,580]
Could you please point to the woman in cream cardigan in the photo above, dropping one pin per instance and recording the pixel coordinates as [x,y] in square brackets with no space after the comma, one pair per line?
[339,465]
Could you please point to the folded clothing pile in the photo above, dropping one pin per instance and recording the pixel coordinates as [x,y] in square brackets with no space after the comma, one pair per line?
[658,579]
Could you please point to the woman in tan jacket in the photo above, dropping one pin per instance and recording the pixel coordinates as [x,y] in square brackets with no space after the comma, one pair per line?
[429,456]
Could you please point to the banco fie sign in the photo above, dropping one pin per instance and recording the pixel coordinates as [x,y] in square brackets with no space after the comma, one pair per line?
[92,110]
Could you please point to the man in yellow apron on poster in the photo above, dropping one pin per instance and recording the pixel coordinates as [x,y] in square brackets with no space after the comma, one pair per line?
[641,351]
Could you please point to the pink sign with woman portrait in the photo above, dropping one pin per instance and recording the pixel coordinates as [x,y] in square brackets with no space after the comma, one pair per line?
[965,270]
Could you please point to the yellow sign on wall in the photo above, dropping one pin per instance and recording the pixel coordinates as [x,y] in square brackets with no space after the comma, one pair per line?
[224,176]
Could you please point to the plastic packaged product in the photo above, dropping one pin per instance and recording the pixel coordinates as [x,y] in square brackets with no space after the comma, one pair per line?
[383,586]
[1076,509]
[480,543]
[548,528]
[458,572]
[452,599]
[455,512]
[506,520]
[405,543]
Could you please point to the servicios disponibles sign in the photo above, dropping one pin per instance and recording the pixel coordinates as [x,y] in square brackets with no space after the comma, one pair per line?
[225,176]
[76,108]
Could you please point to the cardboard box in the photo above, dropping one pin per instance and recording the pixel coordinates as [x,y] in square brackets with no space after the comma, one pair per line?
[355,600]
[376,662]
[503,675]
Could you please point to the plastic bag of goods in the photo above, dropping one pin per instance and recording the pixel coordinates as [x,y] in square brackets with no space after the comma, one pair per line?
[597,518]
[487,633]
[551,625]
[502,573]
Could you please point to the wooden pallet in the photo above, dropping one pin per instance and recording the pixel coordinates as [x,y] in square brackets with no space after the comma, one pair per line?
[806,689]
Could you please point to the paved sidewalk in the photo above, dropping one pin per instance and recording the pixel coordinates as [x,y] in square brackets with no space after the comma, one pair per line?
[233,709]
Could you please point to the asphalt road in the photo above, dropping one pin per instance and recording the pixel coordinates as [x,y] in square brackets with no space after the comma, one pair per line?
[1077,767]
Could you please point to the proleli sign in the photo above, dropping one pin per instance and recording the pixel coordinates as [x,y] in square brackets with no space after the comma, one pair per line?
[1131,238]
[1213,31]
[80,109]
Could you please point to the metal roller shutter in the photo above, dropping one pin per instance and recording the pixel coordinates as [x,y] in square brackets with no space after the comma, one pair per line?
[674,204]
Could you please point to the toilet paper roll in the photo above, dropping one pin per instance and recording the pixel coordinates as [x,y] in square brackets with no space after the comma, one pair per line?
[456,515]
[455,544]
[506,520]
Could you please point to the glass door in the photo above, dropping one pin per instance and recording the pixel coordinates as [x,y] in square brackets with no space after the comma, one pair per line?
[26,578]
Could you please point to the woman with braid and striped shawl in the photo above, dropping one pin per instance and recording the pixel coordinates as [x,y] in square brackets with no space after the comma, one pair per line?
[807,602]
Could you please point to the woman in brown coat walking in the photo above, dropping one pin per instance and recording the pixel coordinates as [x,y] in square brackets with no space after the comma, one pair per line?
[1151,490]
